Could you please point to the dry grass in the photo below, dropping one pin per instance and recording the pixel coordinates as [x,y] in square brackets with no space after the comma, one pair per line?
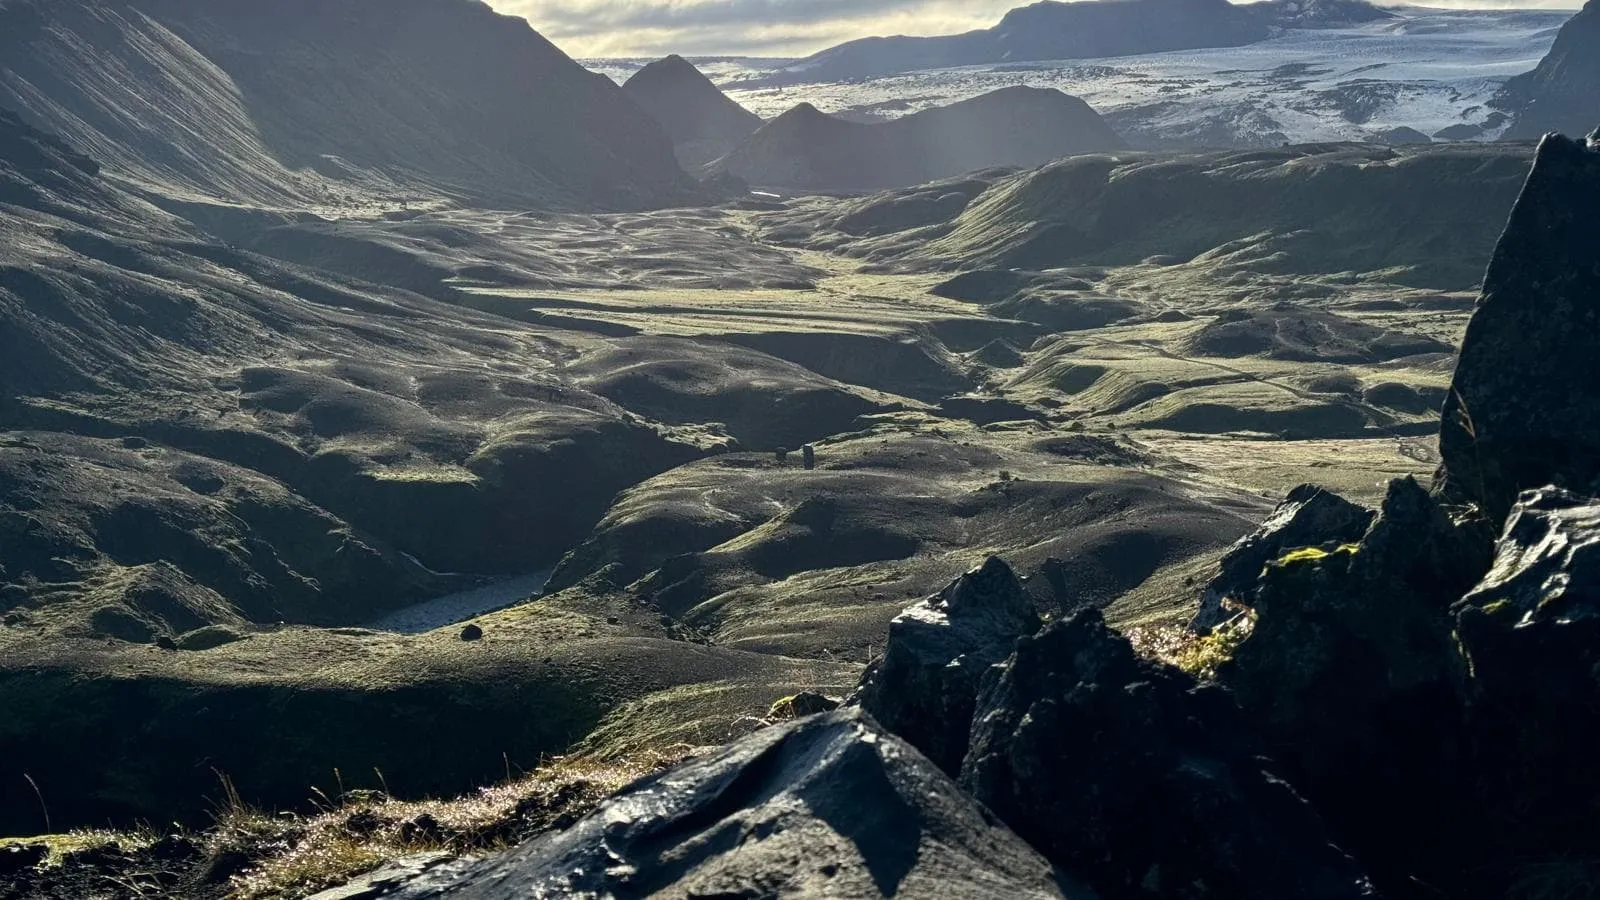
[1199,655]
[84,839]
[293,856]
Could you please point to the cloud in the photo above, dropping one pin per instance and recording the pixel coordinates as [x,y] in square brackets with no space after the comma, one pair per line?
[732,27]
[590,28]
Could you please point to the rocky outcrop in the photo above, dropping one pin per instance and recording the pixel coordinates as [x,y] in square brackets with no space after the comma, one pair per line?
[926,687]
[702,121]
[829,806]
[1123,770]
[1563,93]
[1309,517]
[1530,637]
[1522,410]
[805,149]
[1349,673]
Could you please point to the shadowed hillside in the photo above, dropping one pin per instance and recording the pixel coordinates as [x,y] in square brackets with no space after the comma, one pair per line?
[331,103]
[1419,216]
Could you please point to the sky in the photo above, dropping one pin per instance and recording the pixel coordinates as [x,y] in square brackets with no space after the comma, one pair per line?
[599,28]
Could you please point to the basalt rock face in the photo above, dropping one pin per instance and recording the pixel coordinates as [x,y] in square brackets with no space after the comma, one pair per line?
[702,121]
[1123,770]
[1563,93]
[828,806]
[1309,516]
[926,687]
[1350,675]
[1530,635]
[1522,411]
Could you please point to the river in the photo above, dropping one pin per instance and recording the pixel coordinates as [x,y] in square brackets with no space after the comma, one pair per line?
[458,607]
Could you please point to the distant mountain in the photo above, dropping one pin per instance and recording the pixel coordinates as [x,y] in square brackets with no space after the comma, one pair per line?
[1019,126]
[1563,93]
[1083,30]
[289,101]
[701,120]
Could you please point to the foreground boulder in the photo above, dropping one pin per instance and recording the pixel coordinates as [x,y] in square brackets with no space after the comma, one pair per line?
[1522,409]
[1309,517]
[1123,770]
[1350,675]
[828,806]
[1530,634]
[926,686]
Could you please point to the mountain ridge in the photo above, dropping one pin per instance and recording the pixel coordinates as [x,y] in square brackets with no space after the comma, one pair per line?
[1051,29]
[192,98]
[1563,93]
[1016,126]
[702,121]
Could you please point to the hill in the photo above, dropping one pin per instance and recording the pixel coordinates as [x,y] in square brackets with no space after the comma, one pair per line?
[1019,126]
[1563,93]
[702,122]
[1247,221]
[1055,30]
[438,99]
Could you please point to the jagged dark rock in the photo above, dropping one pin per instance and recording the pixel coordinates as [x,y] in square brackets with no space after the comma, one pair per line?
[1123,770]
[1309,516]
[1530,635]
[1522,409]
[926,686]
[1563,93]
[1349,673]
[828,806]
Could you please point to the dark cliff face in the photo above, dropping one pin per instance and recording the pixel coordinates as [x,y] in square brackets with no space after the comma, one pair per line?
[1017,126]
[1563,93]
[241,101]
[1521,410]
[702,122]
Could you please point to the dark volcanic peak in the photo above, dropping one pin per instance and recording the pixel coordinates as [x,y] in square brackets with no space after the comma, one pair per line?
[1563,93]
[409,97]
[1018,126]
[1055,30]
[1521,412]
[702,122]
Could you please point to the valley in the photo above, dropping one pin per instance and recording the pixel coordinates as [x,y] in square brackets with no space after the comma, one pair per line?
[409,437]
